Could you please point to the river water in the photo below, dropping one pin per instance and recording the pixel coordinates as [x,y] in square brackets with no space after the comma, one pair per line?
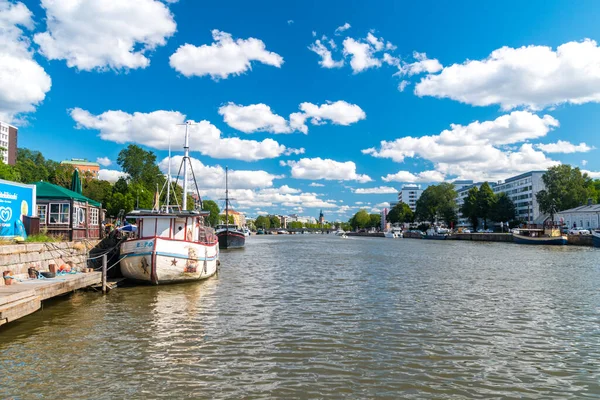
[313,316]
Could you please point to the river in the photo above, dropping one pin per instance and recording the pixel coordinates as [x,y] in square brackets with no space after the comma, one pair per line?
[313,316]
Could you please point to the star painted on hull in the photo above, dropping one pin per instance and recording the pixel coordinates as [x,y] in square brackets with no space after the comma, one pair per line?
[174,262]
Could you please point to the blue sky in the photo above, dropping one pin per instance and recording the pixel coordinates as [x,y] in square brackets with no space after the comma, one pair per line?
[489,90]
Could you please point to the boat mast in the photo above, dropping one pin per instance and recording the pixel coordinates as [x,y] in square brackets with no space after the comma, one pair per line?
[226,201]
[186,156]
[169,178]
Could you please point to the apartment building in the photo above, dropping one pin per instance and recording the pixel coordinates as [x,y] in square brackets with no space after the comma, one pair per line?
[522,190]
[8,143]
[409,194]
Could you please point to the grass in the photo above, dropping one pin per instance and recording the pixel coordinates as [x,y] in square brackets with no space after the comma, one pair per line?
[43,238]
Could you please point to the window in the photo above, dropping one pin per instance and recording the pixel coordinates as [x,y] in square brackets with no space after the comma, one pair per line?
[79,217]
[94,216]
[59,213]
[41,212]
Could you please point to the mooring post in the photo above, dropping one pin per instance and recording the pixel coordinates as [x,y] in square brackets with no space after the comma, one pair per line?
[104,261]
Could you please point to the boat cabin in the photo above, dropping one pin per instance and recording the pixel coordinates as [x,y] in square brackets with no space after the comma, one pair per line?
[233,227]
[547,230]
[183,225]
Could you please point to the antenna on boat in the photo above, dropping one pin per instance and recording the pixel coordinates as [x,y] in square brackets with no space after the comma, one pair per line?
[184,163]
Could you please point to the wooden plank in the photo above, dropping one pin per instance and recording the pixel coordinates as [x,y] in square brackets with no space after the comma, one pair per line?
[20,308]
[9,294]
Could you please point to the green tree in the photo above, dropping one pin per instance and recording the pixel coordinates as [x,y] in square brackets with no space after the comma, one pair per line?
[97,190]
[469,208]
[141,166]
[9,173]
[119,201]
[566,187]
[504,209]
[31,166]
[222,219]
[212,207]
[374,220]
[401,212]
[262,222]
[275,221]
[295,225]
[436,202]
[360,220]
[486,200]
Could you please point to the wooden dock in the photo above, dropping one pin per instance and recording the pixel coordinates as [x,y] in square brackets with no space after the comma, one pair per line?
[24,298]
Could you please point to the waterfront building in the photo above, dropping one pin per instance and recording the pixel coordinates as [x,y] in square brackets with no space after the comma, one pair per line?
[409,194]
[384,214]
[84,166]
[460,184]
[239,219]
[585,217]
[283,220]
[8,143]
[461,194]
[298,218]
[522,190]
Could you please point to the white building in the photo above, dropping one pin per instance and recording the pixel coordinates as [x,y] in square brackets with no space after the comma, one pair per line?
[522,190]
[461,193]
[586,217]
[298,218]
[409,195]
[8,141]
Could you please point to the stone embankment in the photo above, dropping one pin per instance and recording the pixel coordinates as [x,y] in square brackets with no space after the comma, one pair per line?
[484,237]
[18,258]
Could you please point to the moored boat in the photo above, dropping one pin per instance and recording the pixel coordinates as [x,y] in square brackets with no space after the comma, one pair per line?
[596,237]
[437,233]
[546,235]
[230,235]
[170,245]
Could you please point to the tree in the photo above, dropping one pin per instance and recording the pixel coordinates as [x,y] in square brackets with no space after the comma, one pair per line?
[212,207]
[401,212]
[222,219]
[485,202]
[275,221]
[9,173]
[374,220]
[97,190]
[437,201]
[566,187]
[262,222]
[469,208]
[295,225]
[119,201]
[141,166]
[360,220]
[504,209]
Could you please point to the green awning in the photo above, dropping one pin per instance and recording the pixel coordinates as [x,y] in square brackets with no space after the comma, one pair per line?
[46,190]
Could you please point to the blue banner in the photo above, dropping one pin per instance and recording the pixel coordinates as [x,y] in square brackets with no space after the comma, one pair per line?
[16,200]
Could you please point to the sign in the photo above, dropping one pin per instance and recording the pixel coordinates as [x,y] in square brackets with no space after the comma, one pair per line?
[16,200]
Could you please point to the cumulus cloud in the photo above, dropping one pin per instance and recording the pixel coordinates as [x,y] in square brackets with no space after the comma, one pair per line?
[260,118]
[376,190]
[532,76]
[421,65]
[290,21]
[592,174]
[104,161]
[564,147]
[23,82]
[408,177]
[153,130]
[213,177]
[315,184]
[224,57]
[340,29]
[96,34]
[283,196]
[362,54]
[474,151]
[327,60]
[318,168]
[111,175]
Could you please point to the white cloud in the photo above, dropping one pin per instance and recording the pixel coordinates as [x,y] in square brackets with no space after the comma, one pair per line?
[213,177]
[564,147]
[260,118]
[362,55]
[530,76]
[402,85]
[318,168]
[340,29]
[376,190]
[327,60]
[111,175]
[283,196]
[474,151]
[421,65]
[290,21]
[382,205]
[315,184]
[592,174]
[262,213]
[104,161]
[584,162]
[96,34]
[289,152]
[408,177]
[23,82]
[224,57]
[153,130]
[253,118]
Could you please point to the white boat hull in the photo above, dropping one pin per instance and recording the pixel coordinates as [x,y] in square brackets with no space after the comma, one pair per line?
[158,260]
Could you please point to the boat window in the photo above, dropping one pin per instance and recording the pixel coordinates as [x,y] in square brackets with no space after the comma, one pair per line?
[179,232]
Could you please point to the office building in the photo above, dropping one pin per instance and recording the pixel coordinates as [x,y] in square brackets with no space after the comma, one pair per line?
[522,190]
[409,195]
[8,143]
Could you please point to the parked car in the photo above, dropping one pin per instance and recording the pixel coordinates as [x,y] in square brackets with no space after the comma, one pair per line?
[579,231]
[466,231]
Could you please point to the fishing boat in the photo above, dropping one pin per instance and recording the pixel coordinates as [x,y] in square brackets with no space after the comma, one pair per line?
[170,244]
[230,235]
[547,234]
[596,237]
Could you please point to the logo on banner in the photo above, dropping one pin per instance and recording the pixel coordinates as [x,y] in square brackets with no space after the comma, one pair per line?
[5,214]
